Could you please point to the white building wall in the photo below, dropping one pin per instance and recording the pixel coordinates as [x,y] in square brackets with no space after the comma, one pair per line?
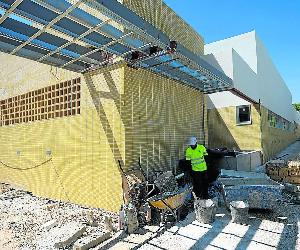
[274,93]
[246,61]
[225,99]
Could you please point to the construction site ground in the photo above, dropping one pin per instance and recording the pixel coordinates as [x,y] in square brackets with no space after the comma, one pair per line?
[31,222]
[23,215]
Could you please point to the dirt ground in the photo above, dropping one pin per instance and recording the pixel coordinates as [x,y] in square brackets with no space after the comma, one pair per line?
[22,216]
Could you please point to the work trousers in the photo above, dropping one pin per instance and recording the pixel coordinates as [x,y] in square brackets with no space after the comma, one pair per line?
[200,184]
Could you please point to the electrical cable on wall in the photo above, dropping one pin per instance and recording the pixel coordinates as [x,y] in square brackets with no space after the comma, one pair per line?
[22,169]
[39,165]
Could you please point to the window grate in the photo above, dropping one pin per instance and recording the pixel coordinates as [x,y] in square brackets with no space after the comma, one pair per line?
[59,100]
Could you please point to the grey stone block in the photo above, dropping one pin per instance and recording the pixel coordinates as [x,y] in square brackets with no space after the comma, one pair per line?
[91,241]
[69,234]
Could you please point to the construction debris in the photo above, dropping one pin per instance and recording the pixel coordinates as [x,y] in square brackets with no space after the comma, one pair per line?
[30,222]
[284,170]
[132,220]
[91,241]
[48,225]
[69,234]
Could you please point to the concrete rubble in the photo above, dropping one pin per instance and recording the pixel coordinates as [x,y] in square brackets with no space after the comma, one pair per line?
[91,240]
[68,234]
[30,222]
[49,224]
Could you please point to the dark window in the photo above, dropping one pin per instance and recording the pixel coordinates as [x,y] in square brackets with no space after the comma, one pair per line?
[243,114]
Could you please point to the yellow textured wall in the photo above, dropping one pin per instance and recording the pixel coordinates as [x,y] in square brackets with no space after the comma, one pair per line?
[82,167]
[165,19]
[161,115]
[158,115]
[223,131]
[125,114]
[273,139]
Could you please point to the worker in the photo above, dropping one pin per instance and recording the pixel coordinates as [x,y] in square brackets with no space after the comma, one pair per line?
[195,153]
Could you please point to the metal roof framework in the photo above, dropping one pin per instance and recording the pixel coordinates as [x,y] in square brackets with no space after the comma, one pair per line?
[64,33]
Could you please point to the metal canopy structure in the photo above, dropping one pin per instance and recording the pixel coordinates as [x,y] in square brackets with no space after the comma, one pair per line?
[83,35]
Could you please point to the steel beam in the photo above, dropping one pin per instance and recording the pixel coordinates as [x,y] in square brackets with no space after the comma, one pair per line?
[49,25]
[95,50]
[39,47]
[132,21]
[10,10]
[81,22]
[75,39]
[122,55]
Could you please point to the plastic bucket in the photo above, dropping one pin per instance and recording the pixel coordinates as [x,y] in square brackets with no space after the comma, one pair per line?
[205,210]
[239,212]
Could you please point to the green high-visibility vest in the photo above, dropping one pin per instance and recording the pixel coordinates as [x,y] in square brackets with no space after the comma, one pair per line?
[196,156]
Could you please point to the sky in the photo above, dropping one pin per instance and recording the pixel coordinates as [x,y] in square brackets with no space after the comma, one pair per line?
[277,23]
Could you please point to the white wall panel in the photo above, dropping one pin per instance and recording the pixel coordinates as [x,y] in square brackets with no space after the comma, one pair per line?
[224,99]
[246,61]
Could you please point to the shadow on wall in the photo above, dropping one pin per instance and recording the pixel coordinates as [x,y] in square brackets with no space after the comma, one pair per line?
[152,118]
[224,131]
[219,135]
[114,95]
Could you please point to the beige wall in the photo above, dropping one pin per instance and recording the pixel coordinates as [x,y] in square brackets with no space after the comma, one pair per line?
[161,114]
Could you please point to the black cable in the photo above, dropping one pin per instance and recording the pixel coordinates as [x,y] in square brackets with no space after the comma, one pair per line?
[22,169]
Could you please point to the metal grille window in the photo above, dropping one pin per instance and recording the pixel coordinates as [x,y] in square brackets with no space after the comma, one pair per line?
[59,100]
[243,115]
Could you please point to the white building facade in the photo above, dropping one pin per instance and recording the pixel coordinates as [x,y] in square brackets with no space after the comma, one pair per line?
[264,101]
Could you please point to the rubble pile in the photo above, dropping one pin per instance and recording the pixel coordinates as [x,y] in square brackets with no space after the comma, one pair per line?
[284,170]
[30,222]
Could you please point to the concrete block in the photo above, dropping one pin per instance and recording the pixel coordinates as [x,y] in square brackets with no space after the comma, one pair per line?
[245,181]
[69,235]
[291,188]
[243,162]
[49,224]
[91,241]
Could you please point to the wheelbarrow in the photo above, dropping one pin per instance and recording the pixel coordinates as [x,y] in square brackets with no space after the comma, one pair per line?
[170,201]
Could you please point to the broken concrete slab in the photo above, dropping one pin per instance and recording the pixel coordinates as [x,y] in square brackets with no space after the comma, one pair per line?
[91,240]
[49,224]
[257,196]
[245,181]
[243,174]
[69,233]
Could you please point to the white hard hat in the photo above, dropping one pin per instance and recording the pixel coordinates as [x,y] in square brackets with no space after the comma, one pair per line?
[193,140]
